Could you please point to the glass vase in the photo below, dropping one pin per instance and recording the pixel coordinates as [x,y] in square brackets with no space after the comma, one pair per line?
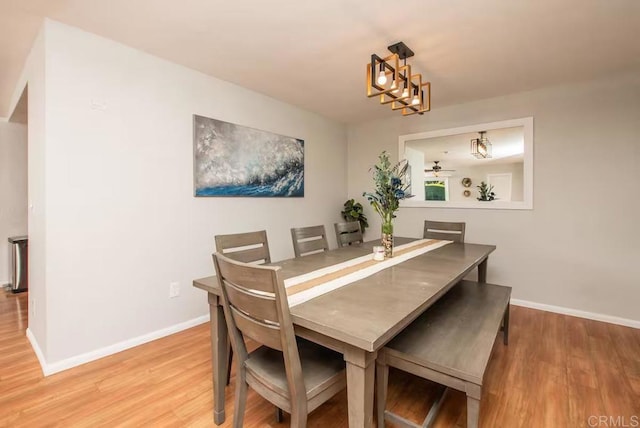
[387,238]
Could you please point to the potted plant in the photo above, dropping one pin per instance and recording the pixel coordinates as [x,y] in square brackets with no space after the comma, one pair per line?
[353,211]
[391,186]
[486,192]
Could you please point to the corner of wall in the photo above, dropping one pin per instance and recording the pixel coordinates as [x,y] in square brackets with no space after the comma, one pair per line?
[36,348]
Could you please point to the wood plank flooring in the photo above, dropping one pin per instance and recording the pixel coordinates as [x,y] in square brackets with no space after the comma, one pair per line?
[556,372]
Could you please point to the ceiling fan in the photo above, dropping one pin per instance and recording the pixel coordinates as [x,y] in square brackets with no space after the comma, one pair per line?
[436,168]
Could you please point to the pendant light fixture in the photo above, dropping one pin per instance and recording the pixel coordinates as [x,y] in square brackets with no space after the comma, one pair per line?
[404,91]
[481,147]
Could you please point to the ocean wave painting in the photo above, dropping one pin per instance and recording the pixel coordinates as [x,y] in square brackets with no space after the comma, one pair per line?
[233,160]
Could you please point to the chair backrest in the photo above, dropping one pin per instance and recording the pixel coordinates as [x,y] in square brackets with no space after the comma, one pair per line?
[450,231]
[308,240]
[250,247]
[348,233]
[255,306]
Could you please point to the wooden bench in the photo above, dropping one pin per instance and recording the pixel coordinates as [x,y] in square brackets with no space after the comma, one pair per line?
[449,344]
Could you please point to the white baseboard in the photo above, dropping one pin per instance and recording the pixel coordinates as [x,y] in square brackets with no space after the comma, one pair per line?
[577,313]
[67,363]
[37,350]
[49,369]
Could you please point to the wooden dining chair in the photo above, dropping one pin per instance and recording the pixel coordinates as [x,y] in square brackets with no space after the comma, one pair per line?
[308,240]
[450,231]
[292,373]
[348,233]
[250,247]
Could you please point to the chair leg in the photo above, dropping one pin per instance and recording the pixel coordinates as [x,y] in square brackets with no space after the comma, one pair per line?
[473,412]
[382,381]
[505,322]
[230,349]
[241,398]
[279,415]
[298,418]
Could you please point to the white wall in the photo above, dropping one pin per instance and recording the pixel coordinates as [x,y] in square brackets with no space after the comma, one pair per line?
[580,245]
[415,158]
[477,174]
[33,76]
[122,222]
[13,189]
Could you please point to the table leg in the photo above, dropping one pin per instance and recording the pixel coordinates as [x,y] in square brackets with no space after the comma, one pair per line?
[482,270]
[360,383]
[219,356]
[473,412]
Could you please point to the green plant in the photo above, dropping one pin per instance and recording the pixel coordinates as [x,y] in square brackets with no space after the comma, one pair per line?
[353,211]
[486,192]
[391,187]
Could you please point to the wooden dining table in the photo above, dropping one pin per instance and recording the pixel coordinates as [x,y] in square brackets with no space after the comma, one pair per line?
[359,318]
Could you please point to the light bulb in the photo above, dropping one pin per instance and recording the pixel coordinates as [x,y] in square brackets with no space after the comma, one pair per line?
[405,93]
[415,101]
[394,87]
[382,78]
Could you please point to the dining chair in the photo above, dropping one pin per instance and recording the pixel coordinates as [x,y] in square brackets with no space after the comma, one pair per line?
[450,231]
[307,240]
[348,233]
[250,247]
[292,373]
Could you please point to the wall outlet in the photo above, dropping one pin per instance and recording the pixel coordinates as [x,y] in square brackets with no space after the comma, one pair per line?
[174,289]
[98,104]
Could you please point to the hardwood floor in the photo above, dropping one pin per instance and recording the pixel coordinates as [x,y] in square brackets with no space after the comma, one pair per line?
[556,372]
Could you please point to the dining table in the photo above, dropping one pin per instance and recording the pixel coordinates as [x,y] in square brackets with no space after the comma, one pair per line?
[359,318]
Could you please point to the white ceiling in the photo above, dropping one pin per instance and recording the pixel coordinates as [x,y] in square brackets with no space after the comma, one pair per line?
[313,54]
[454,151]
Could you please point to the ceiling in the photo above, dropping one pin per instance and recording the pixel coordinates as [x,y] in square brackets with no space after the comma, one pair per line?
[313,54]
[454,151]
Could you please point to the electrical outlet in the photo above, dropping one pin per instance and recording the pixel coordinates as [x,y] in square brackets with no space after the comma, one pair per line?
[174,289]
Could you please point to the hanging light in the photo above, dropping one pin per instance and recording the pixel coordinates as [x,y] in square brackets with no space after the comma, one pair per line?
[481,147]
[415,101]
[415,96]
[382,76]
[394,87]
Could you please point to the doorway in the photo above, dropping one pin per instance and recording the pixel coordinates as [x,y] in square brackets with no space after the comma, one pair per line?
[501,185]
[14,209]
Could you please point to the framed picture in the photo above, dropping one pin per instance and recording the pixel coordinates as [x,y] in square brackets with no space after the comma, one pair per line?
[233,160]
[436,189]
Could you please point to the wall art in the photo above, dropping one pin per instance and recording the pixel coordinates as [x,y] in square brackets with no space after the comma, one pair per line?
[234,160]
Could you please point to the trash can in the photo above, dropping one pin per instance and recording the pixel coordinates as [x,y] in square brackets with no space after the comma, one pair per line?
[18,263]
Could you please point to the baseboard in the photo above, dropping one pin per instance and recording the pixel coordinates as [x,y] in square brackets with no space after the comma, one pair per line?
[37,350]
[49,369]
[67,363]
[577,313]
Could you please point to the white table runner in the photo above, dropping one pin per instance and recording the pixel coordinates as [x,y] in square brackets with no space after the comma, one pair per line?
[307,286]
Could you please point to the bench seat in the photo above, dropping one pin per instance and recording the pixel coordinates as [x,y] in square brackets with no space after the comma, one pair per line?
[449,344]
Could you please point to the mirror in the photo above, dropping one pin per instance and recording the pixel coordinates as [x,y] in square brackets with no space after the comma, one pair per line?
[448,165]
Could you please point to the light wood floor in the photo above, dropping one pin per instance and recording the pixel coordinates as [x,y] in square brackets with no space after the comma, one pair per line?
[556,372]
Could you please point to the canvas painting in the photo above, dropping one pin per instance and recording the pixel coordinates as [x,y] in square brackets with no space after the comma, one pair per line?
[436,189]
[233,160]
